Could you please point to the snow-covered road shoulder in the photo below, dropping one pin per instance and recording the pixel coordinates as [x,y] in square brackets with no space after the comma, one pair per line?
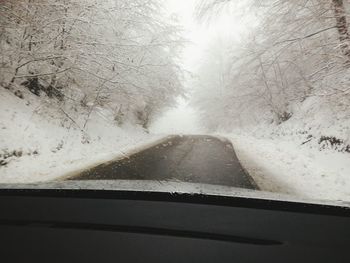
[39,144]
[285,166]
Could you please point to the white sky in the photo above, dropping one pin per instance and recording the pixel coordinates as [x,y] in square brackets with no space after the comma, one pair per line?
[184,119]
[198,34]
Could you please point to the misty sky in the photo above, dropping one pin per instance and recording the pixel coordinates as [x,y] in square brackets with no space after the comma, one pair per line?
[225,25]
[183,118]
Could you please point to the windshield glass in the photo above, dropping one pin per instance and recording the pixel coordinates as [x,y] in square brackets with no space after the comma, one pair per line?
[194,95]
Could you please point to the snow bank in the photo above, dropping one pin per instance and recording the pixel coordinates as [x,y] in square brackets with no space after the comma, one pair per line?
[284,165]
[37,144]
[307,155]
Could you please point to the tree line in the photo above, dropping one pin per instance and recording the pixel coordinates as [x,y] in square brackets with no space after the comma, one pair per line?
[298,49]
[118,55]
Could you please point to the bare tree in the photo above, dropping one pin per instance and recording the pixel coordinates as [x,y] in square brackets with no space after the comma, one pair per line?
[92,54]
[342,26]
[296,52]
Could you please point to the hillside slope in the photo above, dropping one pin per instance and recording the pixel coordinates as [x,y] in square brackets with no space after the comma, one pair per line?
[39,142]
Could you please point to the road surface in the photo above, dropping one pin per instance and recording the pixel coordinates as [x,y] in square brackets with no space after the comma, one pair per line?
[195,159]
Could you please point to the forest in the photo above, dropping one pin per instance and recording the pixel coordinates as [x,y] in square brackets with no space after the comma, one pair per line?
[292,67]
[81,55]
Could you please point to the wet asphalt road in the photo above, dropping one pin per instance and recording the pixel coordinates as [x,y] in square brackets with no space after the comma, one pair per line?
[195,159]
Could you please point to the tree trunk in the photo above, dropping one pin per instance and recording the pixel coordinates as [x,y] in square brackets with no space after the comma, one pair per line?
[342,26]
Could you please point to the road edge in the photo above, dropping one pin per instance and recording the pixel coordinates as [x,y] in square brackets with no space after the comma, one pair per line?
[245,171]
[121,155]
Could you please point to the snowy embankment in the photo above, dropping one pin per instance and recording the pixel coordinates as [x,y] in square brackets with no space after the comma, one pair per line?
[39,143]
[307,155]
[285,165]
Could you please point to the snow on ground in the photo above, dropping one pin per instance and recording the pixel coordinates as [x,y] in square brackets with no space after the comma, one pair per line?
[38,147]
[285,159]
[283,165]
[307,156]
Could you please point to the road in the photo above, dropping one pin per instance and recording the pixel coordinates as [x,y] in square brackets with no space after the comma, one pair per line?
[195,159]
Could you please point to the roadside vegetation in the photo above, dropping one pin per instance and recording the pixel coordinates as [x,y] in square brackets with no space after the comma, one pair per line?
[287,75]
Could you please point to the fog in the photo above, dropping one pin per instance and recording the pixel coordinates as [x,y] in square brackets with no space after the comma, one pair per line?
[181,120]
[185,118]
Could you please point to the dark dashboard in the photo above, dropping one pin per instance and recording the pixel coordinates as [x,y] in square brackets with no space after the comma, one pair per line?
[131,226]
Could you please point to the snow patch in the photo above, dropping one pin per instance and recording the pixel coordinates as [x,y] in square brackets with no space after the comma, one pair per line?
[38,144]
[282,165]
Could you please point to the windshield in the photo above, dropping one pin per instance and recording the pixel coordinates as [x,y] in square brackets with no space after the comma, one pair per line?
[204,96]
